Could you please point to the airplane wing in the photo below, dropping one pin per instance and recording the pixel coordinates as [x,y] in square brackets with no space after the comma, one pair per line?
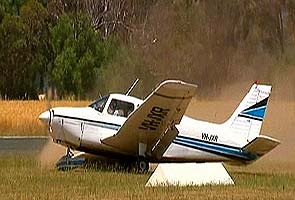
[158,115]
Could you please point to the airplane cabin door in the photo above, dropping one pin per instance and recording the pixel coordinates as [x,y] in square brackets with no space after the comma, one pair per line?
[82,129]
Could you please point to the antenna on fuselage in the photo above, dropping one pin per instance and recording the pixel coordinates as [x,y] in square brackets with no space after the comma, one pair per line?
[132,86]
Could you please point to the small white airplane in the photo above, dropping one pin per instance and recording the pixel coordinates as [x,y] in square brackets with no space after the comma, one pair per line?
[155,130]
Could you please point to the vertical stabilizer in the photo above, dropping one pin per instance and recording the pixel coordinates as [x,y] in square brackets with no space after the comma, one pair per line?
[248,117]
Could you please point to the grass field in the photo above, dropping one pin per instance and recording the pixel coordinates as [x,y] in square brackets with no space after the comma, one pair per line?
[22,177]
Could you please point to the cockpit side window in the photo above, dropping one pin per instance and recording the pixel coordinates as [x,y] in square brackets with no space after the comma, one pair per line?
[99,104]
[120,108]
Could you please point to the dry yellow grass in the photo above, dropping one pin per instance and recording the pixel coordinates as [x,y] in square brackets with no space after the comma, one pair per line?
[21,117]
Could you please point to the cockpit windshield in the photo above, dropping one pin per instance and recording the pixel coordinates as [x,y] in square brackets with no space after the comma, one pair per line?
[99,104]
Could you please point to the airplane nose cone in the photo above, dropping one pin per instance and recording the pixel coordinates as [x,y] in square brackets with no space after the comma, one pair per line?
[45,116]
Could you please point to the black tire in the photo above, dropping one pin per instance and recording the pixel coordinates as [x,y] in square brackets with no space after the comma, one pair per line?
[142,165]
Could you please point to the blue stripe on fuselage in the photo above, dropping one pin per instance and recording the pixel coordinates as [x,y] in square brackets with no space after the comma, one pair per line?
[222,150]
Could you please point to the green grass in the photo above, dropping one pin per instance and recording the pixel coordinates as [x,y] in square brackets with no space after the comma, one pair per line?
[22,177]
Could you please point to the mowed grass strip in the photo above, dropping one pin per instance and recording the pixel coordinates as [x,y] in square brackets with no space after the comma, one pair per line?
[21,117]
[24,178]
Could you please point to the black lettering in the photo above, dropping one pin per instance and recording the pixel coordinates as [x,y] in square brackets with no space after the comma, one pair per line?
[154,118]
[157,109]
[149,124]
[152,122]
[210,138]
[143,127]
[159,112]
[216,138]
[205,136]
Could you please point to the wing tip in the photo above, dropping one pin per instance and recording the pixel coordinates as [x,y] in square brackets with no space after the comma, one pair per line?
[178,88]
[172,81]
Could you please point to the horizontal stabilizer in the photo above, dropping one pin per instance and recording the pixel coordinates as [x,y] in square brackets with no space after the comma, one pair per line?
[261,145]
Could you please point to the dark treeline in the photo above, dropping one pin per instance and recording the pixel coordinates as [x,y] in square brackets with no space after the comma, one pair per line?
[82,48]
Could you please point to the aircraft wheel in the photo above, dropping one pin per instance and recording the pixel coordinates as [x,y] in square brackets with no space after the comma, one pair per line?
[142,165]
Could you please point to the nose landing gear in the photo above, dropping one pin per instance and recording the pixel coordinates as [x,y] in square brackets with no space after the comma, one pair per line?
[69,152]
[69,161]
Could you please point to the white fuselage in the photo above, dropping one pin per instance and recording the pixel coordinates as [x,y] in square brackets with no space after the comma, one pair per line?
[155,130]
[84,128]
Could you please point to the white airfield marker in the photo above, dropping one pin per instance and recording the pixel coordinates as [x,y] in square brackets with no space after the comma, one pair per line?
[186,174]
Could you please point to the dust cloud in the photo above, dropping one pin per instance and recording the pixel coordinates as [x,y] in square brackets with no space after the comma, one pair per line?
[50,153]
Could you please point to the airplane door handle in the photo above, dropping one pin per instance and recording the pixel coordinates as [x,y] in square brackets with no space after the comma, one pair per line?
[82,127]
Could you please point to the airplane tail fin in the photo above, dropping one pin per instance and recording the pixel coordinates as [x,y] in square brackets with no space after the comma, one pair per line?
[247,119]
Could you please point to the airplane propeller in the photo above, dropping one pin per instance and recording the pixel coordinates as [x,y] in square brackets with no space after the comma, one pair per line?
[51,112]
[47,116]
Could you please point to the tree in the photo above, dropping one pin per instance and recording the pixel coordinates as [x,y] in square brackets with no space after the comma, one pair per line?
[23,43]
[13,7]
[13,58]
[35,19]
[78,53]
